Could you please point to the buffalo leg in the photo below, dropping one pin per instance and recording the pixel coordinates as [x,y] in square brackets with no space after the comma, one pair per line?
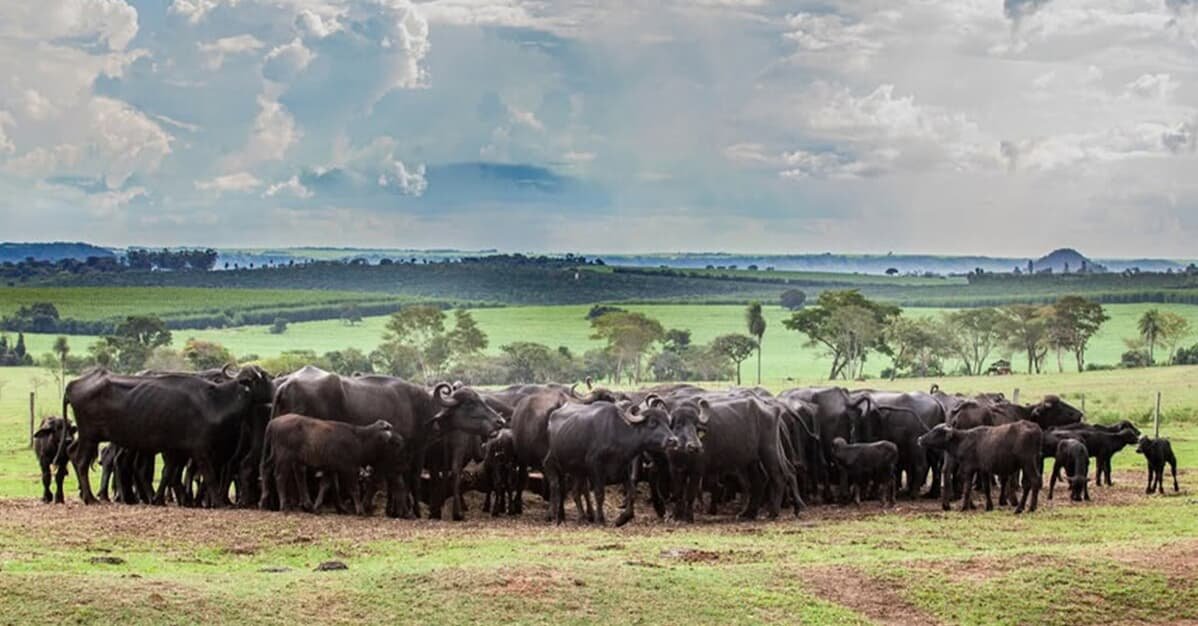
[967,496]
[105,478]
[629,498]
[47,497]
[1031,484]
[946,475]
[1173,468]
[60,474]
[326,484]
[987,487]
[81,452]
[1052,480]
[599,487]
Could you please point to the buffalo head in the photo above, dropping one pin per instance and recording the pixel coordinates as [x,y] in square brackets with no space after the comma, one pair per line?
[653,425]
[464,410]
[688,422]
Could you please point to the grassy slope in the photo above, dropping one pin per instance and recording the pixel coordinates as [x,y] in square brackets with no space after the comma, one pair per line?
[102,303]
[1066,563]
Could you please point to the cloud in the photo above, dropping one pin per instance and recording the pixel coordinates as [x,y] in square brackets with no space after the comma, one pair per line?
[292,186]
[6,145]
[241,181]
[217,51]
[273,133]
[283,62]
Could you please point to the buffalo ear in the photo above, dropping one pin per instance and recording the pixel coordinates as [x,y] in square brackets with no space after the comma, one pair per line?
[704,404]
[43,432]
[72,429]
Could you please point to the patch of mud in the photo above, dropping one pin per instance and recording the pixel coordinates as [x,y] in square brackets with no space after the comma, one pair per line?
[873,598]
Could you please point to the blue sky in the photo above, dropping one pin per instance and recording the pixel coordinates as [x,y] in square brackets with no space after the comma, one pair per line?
[973,126]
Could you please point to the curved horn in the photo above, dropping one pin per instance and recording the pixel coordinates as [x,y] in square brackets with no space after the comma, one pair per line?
[654,400]
[935,389]
[443,393]
[590,382]
[229,370]
[633,416]
[704,405]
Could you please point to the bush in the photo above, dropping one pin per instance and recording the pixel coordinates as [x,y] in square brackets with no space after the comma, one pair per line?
[279,326]
[1186,356]
[1134,358]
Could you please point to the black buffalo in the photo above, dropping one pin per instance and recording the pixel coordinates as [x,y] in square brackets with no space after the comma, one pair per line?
[179,415]
[863,465]
[414,412]
[596,444]
[1158,452]
[1102,444]
[49,444]
[1071,455]
[987,451]
[295,443]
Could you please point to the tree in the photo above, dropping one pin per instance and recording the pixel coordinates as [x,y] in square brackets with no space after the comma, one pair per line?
[793,299]
[1149,327]
[1072,322]
[466,340]
[202,355]
[136,338]
[848,325]
[418,327]
[1026,330]
[1174,329]
[628,336]
[973,335]
[61,350]
[734,347]
[529,362]
[348,361]
[350,314]
[892,271]
[19,350]
[915,344]
[676,340]
[755,322]
[279,326]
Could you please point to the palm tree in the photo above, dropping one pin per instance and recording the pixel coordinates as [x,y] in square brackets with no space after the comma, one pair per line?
[62,349]
[756,323]
[1150,330]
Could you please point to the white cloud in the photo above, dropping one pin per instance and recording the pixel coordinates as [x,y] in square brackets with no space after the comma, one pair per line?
[283,62]
[292,186]
[1153,86]
[240,181]
[216,51]
[195,10]
[273,133]
[6,119]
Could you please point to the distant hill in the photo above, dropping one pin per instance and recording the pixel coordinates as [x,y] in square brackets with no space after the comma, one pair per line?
[1066,260]
[54,251]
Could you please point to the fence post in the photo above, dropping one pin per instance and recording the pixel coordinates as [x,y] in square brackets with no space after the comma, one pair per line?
[1083,403]
[1156,418]
[31,397]
[1015,396]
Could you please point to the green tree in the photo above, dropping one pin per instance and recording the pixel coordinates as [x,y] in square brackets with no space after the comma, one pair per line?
[916,344]
[628,335]
[1175,329]
[848,326]
[135,339]
[1072,322]
[755,322]
[202,355]
[466,340]
[734,347]
[973,336]
[418,327]
[1026,330]
[61,349]
[350,314]
[793,299]
[349,361]
[676,340]
[279,326]
[1149,327]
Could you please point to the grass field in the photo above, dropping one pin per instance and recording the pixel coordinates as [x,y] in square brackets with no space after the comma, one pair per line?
[1123,558]
[109,303]
[784,355]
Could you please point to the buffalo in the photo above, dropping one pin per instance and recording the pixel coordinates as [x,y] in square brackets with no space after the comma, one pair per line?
[1158,452]
[987,451]
[863,465]
[1072,456]
[49,444]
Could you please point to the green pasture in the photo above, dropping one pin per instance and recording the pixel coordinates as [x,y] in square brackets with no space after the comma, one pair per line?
[1123,558]
[785,358]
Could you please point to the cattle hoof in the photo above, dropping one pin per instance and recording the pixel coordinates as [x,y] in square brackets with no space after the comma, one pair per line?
[622,519]
[457,517]
[49,498]
[1018,510]
[945,506]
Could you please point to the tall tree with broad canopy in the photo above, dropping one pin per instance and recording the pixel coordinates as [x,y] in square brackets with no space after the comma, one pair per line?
[755,322]
[848,325]
[629,336]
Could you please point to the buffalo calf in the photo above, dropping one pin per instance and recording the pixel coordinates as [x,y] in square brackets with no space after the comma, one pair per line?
[1072,456]
[986,451]
[296,443]
[50,445]
[863,464]
[1157,452]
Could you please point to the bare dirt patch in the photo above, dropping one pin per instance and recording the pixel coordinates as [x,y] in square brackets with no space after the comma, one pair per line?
[871,597]
[1178,560]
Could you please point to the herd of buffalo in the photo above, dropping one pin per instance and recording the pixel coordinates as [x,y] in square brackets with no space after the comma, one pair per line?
[315,439]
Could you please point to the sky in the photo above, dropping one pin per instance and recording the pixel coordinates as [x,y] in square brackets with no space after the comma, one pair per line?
[966,127]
